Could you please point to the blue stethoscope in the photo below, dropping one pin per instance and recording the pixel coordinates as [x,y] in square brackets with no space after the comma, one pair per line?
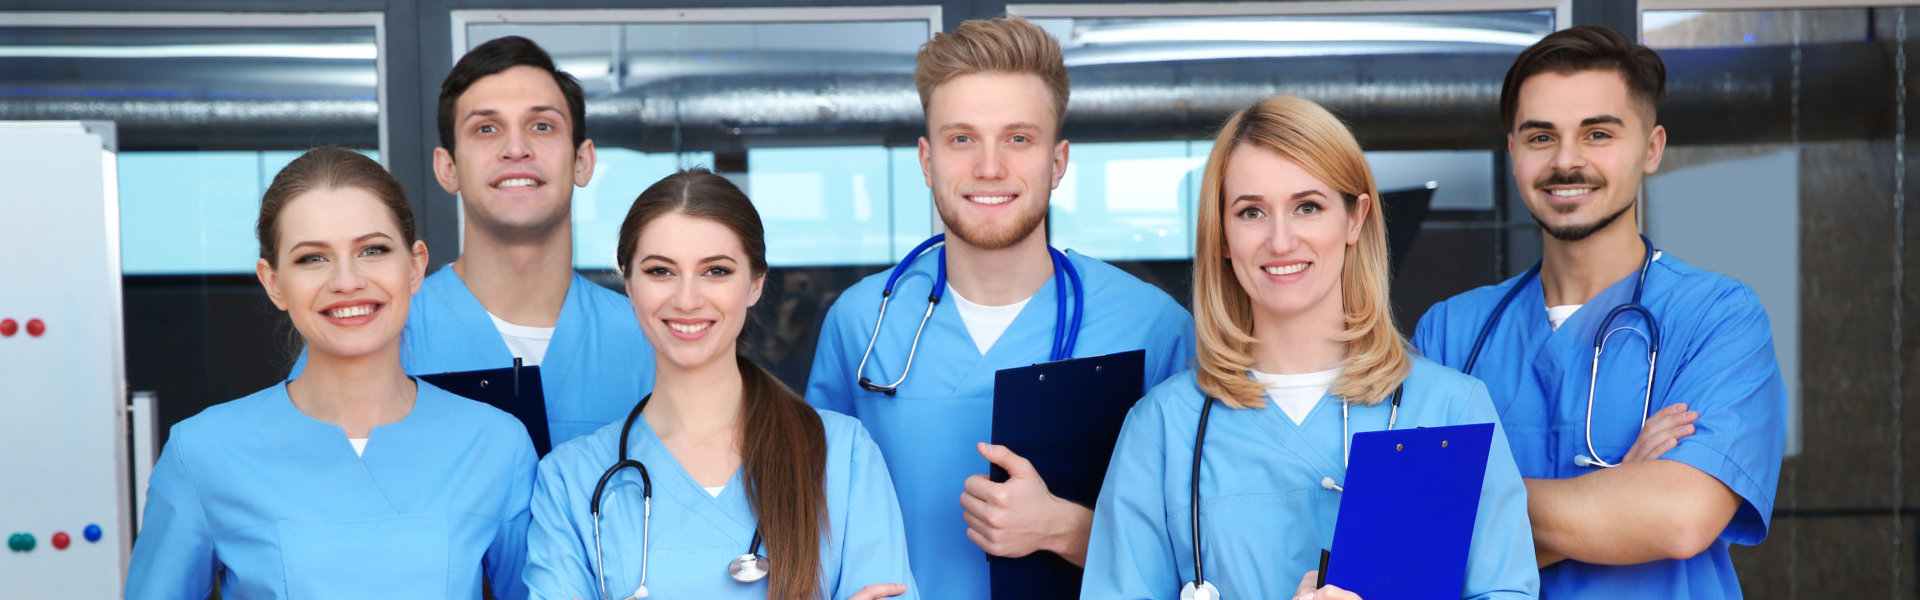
[747,568]
[1064,338]
[1600,337]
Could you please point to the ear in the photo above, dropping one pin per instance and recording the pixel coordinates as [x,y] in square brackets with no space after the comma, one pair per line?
[445,171]
[269,279]
[926,160]
[1656,147]
[1059,163]
[753,293]
[1357,218]
[419,273]
[583,159]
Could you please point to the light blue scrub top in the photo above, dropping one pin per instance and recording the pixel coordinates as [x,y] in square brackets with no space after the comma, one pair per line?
[1716,355]
[596,364]
[1264,514]
[929,429]
[695,535]
[277,505]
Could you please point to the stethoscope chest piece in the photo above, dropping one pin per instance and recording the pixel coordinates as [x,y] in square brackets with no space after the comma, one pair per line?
[748,568]
[1202,590]
[640,592]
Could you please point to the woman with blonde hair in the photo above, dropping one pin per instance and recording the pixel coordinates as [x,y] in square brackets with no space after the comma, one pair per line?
[1291,313]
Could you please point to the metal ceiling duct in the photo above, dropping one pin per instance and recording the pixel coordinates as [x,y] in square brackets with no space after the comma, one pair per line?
[1399,102]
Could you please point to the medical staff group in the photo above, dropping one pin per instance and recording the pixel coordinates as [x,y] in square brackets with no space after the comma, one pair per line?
[1636,404]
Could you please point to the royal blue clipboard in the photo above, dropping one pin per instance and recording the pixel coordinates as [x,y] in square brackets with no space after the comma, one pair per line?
[514,389]
[1064,417]
[1406,517]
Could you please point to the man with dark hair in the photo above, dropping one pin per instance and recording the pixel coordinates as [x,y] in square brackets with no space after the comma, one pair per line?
[1647,457]
[513,147]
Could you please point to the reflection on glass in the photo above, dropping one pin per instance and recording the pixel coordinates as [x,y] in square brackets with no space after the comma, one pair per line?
[1094,41]
[193,212]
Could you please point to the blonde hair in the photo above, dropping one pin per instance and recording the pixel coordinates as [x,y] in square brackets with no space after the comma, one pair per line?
[1001,45]
[1309,136]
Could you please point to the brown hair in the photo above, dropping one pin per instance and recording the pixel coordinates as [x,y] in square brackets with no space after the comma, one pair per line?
[783,444]
[1002,45]
[1307,135]
[329,168]
[1587,48]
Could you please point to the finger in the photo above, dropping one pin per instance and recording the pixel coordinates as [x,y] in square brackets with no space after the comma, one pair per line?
[1306,583]
[1333,592]
[1015,466]
[879,590]
[974,505]
[980,539]
[985,489]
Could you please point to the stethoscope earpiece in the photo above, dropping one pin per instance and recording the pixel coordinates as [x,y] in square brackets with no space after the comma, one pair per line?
[1327,482]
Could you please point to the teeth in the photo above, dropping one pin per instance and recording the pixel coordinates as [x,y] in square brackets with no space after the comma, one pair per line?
[1570,193]
[517,182]
[1287,270]
[991,200]
[684,328]
[359,310]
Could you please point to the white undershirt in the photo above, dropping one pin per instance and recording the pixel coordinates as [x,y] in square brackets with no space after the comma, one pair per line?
[359,446]
[986,323]
[715,490]
[1296,394]
[529,344]
[1559,314]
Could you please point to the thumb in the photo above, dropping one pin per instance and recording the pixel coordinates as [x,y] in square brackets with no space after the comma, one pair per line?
[1003,457]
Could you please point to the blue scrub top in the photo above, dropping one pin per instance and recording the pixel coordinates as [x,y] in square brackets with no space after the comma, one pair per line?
[929,429]
[277,505]
[1716,355]
[1264,514]
[596,364]
[695,534]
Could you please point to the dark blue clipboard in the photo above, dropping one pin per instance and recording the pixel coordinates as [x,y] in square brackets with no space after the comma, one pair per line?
[1406,517]
[515,389]
[1064,417]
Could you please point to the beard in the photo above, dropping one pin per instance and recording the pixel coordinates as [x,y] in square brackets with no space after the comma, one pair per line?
[1576,231]
[987,237]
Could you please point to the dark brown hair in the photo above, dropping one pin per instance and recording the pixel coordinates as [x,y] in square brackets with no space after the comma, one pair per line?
[1587,48]
[1003,45]
[329,168]
[500,54]
[782,442]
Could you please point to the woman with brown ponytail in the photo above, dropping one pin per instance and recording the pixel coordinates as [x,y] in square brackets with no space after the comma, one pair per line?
[722,473]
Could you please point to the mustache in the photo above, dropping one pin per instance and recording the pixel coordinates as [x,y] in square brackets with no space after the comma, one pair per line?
[1572,178]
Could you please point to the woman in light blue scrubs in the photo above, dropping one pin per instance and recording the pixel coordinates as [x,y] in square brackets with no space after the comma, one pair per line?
[1298,346]
[734,470]
[352,481]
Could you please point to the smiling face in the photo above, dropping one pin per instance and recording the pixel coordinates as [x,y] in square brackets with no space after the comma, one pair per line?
[345,274]
[1580,149]
[991,156]
[513,162]
[691,285]
[1287,234]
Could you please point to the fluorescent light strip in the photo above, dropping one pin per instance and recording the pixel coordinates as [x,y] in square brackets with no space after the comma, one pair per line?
[312,51]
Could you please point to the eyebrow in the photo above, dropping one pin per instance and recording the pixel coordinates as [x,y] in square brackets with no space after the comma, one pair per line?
[1587,122]
[970,126]
[714,258]
[488,112]
[362,238]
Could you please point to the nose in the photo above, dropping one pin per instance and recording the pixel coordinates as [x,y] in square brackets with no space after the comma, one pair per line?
[346,278]
[515,146]
[686,296]
[1567,156]
[1281,238]
[991,165]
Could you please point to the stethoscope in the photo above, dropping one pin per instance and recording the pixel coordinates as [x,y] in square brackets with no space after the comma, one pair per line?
[747,568]
[1063,337]
[1200,588]
[1600,337]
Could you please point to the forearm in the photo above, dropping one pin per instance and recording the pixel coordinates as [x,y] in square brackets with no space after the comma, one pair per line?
[1071,541]
[1631,514]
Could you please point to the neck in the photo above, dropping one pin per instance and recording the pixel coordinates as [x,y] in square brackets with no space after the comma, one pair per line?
[999,277]
[522,281]
[700,402]
[358,393]
[1575,272]
[1304,343]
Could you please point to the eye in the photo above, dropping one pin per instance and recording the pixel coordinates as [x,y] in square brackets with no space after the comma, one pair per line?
[486,128]
[543,127]
[1251,213]
[1599,134]
[1020,138]
[1539,138]
[657,271]
[962,139]
[309,259]
[718,271]
[375,250]
[1308,208]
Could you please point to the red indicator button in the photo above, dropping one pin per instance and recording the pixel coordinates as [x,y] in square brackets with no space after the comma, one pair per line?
[8,327]
[35,327]
[60,540]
